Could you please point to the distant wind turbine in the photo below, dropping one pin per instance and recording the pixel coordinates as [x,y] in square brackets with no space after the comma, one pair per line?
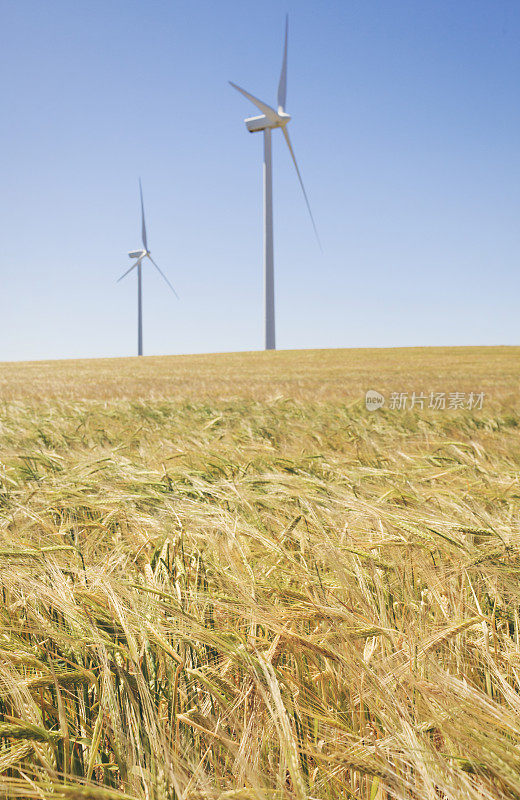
[272,119]
[139,256]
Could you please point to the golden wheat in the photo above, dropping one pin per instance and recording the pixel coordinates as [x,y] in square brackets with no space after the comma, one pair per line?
[222,578]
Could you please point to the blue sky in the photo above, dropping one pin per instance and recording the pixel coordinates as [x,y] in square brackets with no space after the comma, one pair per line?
[405,121]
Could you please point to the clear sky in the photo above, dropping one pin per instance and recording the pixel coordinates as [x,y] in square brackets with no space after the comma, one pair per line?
[405,121]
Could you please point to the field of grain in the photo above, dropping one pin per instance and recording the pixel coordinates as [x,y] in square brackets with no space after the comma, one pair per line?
[222,578]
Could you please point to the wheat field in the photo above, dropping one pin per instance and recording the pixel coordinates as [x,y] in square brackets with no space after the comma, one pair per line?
[222,578]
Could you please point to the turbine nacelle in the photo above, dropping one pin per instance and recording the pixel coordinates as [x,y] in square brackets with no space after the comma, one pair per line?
[137,253]
[255,124]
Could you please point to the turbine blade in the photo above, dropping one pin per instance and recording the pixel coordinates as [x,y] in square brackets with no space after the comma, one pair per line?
[159,270]
[289,145]
[128,270]
[269,112]
[282,86]
[143,223]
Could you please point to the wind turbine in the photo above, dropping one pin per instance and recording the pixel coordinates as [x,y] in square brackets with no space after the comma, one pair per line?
[139,256]
[269,120]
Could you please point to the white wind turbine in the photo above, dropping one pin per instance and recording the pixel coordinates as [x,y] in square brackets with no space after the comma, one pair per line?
[139,256]
[272,119]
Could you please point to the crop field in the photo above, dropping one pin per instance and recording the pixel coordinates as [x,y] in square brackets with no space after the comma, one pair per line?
[222,578]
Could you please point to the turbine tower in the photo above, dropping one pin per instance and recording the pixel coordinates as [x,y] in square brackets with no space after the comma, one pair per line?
[269,120]
[139,256]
